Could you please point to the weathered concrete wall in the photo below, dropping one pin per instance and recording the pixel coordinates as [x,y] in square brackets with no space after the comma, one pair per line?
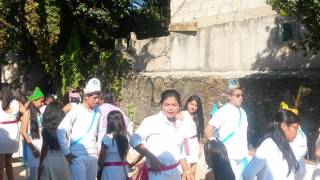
[246,45]
[263,93]
[193,10]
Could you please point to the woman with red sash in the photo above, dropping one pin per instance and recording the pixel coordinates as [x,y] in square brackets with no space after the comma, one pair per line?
[159,139]
[192,129]
[114,148]
[9,131]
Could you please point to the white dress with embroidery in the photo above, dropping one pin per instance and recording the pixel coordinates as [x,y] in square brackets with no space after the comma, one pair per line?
[9,133]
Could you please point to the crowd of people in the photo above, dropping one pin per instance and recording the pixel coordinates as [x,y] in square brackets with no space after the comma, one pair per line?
[88,139]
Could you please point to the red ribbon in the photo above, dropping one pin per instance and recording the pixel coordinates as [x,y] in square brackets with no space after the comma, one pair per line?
[143,172]
[116,164]
[8,122]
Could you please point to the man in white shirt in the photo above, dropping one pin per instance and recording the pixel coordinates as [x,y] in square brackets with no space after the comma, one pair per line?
[82,126]
[230,122]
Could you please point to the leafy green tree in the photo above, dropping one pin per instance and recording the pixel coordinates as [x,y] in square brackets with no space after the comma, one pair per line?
[308,14]
[74,39]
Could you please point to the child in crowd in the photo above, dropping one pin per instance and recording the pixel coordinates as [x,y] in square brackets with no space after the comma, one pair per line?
[216,157]
[114,148]
[53,164]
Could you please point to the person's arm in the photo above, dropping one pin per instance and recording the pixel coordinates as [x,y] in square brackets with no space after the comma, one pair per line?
[136,161]
[318,152]
[101,129]
[67,108]
[253,168]
[155,163]
[215,122]
[264,151]
[24,133]
[137,140]
[102,155]
[208,131]
[22,109]
[185,168]
[63,129]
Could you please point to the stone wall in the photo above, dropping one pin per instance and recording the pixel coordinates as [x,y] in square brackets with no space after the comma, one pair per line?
[263,93]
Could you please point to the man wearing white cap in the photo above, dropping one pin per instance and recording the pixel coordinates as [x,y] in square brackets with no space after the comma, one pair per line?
[81,124]
[231,124]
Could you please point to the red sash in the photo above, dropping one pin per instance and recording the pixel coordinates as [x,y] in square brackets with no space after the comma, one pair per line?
[186,144]
[115,164]
[143,172]
[8,122]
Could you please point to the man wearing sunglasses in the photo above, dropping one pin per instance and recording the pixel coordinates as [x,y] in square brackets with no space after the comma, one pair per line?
[230,126]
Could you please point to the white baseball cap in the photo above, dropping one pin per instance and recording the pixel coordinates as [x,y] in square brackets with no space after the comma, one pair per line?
[93,85]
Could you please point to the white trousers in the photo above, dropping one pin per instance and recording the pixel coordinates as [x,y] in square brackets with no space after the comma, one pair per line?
[84,167]
[238,167]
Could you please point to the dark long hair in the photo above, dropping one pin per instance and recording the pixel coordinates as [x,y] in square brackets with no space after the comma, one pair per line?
[277,135]
[7,97]
[52,117]
[216,157]
[198,115]
[170,93]
[34,126]
[118,128]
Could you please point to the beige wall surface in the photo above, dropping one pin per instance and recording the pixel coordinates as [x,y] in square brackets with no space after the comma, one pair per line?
[190,10]
[245,45]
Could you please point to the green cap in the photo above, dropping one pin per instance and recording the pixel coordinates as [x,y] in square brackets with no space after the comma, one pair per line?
[37,93]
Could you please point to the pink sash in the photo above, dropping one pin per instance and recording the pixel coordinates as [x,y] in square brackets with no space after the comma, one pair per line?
[186,144]
[8,122]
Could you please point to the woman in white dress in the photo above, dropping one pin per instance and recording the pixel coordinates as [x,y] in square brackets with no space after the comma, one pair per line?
[159,139]
[114,148]
[31,131]
[192,130]
[274,158]
[9,131]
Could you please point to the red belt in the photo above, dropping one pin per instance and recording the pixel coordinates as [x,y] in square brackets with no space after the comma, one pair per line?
[143,172]
[166,168]
[8,122]
[115,164]
[186,144]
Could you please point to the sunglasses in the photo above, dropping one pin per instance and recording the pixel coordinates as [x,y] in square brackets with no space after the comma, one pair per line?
[237,95]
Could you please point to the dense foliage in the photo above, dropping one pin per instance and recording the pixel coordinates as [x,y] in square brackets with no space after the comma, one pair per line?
[308,14]
[74,39]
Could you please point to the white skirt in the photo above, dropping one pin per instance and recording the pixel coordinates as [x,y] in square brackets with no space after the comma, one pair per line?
[9,135]
[193,157]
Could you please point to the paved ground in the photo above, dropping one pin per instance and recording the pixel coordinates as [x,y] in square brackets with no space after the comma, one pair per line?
[19,171]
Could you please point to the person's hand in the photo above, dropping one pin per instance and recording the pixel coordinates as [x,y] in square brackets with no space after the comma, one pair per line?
[70,157]
[36,153]
[187,175]
[155,165]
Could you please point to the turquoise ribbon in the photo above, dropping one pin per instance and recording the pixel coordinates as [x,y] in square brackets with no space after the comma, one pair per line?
[225,139]
[80,138]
